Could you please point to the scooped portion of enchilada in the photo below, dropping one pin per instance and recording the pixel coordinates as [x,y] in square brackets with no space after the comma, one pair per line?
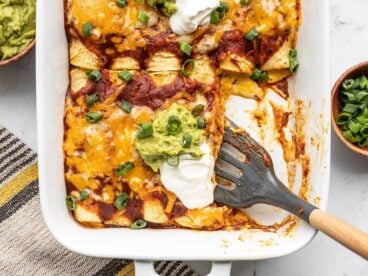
[144,112]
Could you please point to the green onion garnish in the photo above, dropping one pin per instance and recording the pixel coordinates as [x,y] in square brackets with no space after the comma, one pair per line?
[143,17]
[224,6]
[145,130]
[125,168]
[86,29]
[126,106]
[84,195]
[92,99]
[94,75]
[94,117]
[139,224]
[348,84]
[121,3]
[173,160]
[353,105]
[294,61]
[187,67]
[244,2]
[201,123]
[187,141]
[71,202]
[259,75]
[121,201]
[252,34]
[198,110]
[173,126]
[125,75]
[185,48]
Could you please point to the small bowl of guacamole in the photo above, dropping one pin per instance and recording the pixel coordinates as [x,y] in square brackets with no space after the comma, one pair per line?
[17,29]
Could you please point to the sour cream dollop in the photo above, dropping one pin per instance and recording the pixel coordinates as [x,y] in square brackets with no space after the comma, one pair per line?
[191,180]
[190,14]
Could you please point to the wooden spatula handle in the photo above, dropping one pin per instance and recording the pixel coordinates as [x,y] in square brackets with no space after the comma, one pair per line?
[349,236]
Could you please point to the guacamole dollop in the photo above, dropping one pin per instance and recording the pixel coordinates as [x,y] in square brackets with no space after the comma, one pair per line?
[17,26]
[161,145]
[168,7]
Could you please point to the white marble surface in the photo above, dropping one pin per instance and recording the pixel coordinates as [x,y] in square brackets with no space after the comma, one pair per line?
[349,180]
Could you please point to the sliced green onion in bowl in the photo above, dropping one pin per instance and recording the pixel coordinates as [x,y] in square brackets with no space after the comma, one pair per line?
[143,17]
[187,67]
[92,99]
[252,34]
[126,106]
[125,168]
[350,108]
[94,117]
[145,131]
[173,126]
[94,75]
[71,203]
[121,201]
[87,29]
[125,75]
[185,48]
[139,224]
[343,118]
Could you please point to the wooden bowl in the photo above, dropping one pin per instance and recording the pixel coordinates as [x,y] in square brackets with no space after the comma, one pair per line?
[19,55]
[353,72]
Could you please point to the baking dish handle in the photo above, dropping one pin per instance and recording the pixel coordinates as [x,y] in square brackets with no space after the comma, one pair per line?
[146,268]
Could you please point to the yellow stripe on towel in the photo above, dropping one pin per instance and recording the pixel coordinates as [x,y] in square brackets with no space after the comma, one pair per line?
[18,183]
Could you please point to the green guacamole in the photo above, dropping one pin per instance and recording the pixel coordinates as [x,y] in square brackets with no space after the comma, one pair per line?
[17,26]
[161,145]
[168,7]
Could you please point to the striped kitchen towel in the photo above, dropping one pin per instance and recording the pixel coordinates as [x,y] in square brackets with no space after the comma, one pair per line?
[26,246]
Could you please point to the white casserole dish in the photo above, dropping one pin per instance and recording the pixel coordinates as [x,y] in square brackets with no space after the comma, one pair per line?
[310,84]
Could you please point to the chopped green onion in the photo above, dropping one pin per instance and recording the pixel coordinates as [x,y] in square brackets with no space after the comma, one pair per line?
[351,137]
[364,131]
[86,29]
[252,34]
[224,6]
[293,60]
[125,76]
[187,67]
[187,141]
[92,99]
[94,117]
[125,168]
[185,48]
[201,123]
[363,142]
[173,160]
[84,195]
[259,75]
[343,118]
[145,130]
[71,202]
[139,224]
[354,126]
[198,110]
[143,17]
[121,3]
[126,106]
[350,108]
[348,84]
[219,13]
[363,81]
[173,126]
[121,201]
[94,75]
[244,2]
